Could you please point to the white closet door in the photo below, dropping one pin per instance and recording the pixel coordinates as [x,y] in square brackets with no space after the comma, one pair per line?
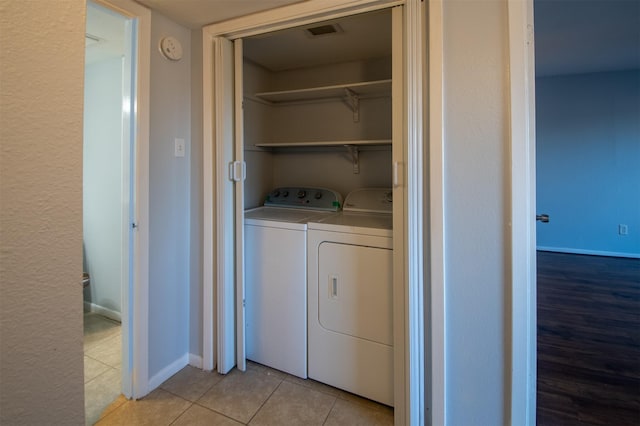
[402,374]
[239,177]
[223,89]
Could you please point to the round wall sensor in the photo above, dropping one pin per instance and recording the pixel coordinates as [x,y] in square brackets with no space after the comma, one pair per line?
[171,48]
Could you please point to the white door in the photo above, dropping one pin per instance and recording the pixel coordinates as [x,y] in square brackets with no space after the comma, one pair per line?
[239,174]
[223,209]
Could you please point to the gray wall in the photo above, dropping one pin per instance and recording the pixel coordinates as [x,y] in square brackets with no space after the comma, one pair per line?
[476,210]
[588,162]
[102,183]
[41,97]
[169,199]
[195,322]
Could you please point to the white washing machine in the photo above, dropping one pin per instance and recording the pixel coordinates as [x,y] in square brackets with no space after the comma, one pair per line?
[276,275]
[350,256]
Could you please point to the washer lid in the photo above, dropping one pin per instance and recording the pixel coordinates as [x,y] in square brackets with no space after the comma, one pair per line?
[370,200]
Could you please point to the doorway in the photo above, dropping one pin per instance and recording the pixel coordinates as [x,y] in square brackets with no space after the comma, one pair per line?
[115,192]
[106,204]
[588,148]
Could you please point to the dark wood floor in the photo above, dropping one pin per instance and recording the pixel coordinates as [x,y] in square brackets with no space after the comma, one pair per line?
[588,340]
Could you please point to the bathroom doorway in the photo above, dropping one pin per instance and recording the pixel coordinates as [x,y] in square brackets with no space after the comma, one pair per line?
[115,194]
[106,200]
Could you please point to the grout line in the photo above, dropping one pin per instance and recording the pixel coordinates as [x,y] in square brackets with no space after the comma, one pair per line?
[219,413]
[335,401]
[184,411]
[265,401]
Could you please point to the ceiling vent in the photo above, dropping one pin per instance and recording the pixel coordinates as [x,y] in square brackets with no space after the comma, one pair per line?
[323,30]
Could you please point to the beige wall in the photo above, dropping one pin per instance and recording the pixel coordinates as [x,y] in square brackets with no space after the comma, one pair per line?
[476,117]
[41,86]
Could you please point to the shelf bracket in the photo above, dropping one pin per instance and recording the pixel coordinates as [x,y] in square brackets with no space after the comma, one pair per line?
[352,100]
[355,158]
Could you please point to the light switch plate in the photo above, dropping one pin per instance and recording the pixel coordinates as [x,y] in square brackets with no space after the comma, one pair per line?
[179,147]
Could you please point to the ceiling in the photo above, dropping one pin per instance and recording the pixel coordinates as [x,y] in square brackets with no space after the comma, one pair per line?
[581,36]
[197,13]
[571,36]
[360,37]
[104,34]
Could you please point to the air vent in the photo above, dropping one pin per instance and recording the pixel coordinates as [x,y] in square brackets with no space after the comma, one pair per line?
[91,40]
[323,30]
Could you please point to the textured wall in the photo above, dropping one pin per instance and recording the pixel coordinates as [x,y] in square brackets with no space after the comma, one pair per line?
[476,215]
[588,162]
[41,72]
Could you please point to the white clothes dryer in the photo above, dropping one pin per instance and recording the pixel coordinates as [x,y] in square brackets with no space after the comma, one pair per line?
[350,313]
[276,275]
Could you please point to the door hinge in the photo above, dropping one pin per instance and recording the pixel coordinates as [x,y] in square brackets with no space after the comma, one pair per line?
[237,171]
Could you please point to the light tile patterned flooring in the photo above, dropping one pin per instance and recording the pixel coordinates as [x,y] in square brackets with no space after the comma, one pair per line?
[102,361]
[259,396]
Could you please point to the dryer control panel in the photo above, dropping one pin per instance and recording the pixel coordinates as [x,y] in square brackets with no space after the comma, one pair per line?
[305,198]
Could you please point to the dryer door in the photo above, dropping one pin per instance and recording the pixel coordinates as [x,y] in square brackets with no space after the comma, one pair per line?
[356,298]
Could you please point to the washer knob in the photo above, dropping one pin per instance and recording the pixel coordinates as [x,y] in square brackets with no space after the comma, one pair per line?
[302,193]
[318,195]
[285,193]
[276,193]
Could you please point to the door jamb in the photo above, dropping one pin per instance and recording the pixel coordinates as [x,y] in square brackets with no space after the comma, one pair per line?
[135,298]
[413,408]
[522,307]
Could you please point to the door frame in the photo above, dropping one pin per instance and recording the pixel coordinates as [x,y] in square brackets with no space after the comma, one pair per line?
[218,145]
[426,314]
[521,308]
[135,294]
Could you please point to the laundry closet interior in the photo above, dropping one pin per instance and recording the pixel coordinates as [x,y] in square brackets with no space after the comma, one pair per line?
[317,124]
[312,101]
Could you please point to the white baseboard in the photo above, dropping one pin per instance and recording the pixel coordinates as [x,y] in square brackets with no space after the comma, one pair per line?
[167,372]
[589,252]
[105,312]
[195,360]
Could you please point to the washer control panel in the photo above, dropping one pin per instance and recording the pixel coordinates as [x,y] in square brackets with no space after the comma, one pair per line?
[305,198]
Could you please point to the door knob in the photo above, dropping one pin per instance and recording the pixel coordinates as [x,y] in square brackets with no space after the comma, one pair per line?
[544,218]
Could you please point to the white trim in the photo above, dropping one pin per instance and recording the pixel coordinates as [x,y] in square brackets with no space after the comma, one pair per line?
[589,252]
[209,311]
[437,353]
[101,310]
[135,308]
[521,320]
[195,360]
[291,16]
[166,373]
[294,15]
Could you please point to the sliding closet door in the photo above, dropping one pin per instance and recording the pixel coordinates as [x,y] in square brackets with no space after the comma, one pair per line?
[223,209]
[399,161]
[239,175]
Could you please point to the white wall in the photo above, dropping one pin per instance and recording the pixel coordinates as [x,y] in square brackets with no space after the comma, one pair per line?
[102,183]
[588,162]
[41,97]
[476,211]
[169,201]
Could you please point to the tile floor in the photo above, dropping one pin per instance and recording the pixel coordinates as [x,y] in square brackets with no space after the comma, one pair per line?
[259,396]
[102,361]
